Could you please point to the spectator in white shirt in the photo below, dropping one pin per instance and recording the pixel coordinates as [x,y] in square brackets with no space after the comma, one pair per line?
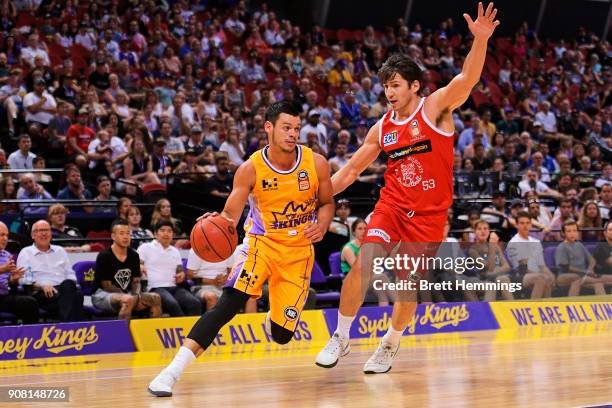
[234,64]
[209,277]
[547,118]
[233,147]
[314,126]
[85,37]
[53,279]
[339,160]
[163,266]
[527,256]
[106,149]
[234,25]
[22,158]
[39,105]
[531,183]
[33,49]
[606,176]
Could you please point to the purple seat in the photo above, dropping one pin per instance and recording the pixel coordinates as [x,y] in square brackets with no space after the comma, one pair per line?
[549,257]
[85,273]
[334,265]
[7,318]
[591,248]
[317,277]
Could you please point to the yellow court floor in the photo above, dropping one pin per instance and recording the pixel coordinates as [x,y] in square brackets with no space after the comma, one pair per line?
[556,366]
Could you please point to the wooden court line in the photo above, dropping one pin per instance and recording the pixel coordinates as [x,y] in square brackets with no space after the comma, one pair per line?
[217,369]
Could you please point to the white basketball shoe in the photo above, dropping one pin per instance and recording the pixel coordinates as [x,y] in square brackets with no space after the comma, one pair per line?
[336,347]
[381,360]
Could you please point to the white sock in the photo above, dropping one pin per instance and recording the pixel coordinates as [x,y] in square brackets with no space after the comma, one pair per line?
[392,336]
[183,358]
[344,325]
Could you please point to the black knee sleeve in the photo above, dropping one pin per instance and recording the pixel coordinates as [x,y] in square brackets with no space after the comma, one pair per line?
[209,324]
[280,334]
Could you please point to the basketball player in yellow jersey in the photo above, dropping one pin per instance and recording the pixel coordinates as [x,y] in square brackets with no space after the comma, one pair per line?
[289,191]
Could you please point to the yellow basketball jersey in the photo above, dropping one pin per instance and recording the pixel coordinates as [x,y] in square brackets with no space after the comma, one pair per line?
[283,203]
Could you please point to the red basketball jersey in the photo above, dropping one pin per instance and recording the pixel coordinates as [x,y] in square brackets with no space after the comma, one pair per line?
[419,174]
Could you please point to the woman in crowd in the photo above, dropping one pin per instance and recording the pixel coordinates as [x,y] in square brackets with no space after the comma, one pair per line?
[590,218]
[349,256]
[139,234]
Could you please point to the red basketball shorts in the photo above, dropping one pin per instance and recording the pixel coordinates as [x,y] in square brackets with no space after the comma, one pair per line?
[417,234]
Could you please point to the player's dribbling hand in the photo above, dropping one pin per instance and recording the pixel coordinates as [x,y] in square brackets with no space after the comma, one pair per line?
[215,214]
[314,232]
[485,22]
[208,214]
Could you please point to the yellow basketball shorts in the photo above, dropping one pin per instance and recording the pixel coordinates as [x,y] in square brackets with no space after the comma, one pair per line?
[287,270]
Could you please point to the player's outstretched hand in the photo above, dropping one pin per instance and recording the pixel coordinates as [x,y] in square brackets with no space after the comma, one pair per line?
[314,232]
[485,22]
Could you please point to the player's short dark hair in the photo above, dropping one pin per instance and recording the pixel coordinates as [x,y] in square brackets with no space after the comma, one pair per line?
[163,223]
[275,110]
[119,222]
[400,64]
[523,214]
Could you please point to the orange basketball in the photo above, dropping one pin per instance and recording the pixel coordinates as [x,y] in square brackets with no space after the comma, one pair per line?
[214,239]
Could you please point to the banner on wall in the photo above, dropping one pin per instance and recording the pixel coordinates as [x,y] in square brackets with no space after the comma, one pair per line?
[242,330]
[511,315]
[64,339]
[372,322]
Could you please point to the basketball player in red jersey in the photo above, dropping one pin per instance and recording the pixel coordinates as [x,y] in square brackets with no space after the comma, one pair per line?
[417,136]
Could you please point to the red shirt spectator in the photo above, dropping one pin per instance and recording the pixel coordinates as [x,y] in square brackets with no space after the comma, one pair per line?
[79,135]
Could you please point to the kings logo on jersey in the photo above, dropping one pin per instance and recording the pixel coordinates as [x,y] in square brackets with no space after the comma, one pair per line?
[390,138]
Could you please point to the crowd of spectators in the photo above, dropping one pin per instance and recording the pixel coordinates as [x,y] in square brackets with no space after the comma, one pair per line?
[122,95]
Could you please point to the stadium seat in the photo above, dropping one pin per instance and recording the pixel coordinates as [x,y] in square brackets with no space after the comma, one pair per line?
[7,318]
[85,273]
[317,277]
[105,243]
[334,265]
[153,192]
[549,257]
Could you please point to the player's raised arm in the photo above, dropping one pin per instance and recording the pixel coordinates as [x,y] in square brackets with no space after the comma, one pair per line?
[326,211]
[361,160]
[244,180]
[458,90]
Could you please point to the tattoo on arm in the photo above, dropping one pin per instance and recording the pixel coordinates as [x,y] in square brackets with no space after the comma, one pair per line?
[136,287]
